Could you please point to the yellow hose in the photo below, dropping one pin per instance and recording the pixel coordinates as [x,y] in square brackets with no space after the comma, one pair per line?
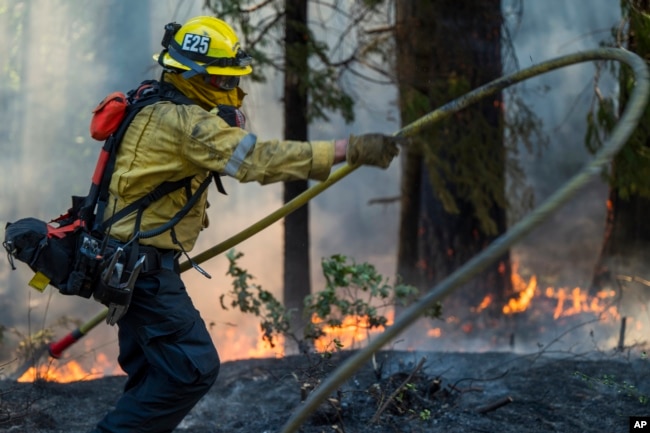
[271,218]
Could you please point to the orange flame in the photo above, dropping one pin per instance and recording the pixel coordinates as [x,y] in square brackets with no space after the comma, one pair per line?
[70,371]
[231,342]
[577,301]
[484,304]
[241,346]
[567,302]
[237,346]
[353,331]
[521,303]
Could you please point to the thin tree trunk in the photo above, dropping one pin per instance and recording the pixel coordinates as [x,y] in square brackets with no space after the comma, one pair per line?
[297,275]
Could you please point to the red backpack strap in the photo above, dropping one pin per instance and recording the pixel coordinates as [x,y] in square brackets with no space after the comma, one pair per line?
[62,231]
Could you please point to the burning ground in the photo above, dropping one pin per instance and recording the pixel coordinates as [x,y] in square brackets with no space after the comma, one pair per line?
[558,360]
[399,392]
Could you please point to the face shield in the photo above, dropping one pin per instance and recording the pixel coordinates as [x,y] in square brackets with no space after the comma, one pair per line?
[222,82]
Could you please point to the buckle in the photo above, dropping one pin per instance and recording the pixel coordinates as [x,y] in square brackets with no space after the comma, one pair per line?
[152,262]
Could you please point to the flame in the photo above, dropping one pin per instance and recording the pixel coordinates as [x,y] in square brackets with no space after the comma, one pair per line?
[70,371]
[238,345]
[484,304]
[353,331]
[567,302]
[524,289]
[525,296]
[233,344]
[576,301]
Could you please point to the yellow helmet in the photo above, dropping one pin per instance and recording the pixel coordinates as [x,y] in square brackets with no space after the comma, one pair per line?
[203,45]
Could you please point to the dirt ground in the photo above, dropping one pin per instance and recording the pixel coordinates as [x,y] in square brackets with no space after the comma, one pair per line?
[404,392]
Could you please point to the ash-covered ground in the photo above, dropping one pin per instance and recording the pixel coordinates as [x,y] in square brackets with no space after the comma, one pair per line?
[549,374]
[406,392]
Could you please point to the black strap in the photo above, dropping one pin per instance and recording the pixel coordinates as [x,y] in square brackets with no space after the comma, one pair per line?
[144,201]
[217,181]
[179,215]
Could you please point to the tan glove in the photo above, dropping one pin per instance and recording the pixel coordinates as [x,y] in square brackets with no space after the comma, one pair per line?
[372,149]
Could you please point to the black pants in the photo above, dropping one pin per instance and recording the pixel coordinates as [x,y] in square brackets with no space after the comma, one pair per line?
[168,355]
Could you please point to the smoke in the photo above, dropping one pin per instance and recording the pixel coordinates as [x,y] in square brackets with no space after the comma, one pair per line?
[61,57]
[66,56]
[567,245]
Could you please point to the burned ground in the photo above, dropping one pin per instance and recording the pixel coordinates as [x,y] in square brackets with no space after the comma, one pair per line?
[404,392]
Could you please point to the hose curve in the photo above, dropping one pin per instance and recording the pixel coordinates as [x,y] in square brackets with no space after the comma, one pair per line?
[624,128]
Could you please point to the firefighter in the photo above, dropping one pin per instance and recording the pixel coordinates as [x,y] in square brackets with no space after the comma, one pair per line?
[165,348]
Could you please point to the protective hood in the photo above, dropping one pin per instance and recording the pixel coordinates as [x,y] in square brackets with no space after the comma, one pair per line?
[204,94]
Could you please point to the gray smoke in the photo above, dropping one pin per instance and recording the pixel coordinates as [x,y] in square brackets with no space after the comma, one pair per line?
[61,57]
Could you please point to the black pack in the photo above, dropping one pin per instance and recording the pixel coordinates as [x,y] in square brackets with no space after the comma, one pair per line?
[72,252]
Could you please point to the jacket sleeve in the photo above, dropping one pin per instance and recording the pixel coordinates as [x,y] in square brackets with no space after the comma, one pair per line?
[212,144]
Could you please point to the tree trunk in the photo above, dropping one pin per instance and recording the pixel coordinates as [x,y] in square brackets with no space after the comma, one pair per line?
[625,251]
[410,203]
[446,48]
[297,275]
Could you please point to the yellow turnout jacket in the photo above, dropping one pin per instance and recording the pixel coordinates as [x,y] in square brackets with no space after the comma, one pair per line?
[169,142]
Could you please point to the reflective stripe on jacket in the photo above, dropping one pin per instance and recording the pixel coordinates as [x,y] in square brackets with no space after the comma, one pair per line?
[168,142]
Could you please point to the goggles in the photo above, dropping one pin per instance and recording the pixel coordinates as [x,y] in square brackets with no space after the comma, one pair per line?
[242,59]
[223,82]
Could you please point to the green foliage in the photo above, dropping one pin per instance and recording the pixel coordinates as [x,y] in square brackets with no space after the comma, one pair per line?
[610,381]
[29,343]
[252,299]
[630,175]
[325,94]
[522,126]
[467,162]
[261,27]
[351,290]
[425,414]
[600,121]
[639,25]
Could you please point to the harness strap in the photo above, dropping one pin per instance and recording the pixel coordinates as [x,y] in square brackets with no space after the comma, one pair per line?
[179,215]
[62,231]
[217,181]
[144,201]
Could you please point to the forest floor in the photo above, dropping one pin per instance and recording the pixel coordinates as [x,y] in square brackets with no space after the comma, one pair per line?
[405,392]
